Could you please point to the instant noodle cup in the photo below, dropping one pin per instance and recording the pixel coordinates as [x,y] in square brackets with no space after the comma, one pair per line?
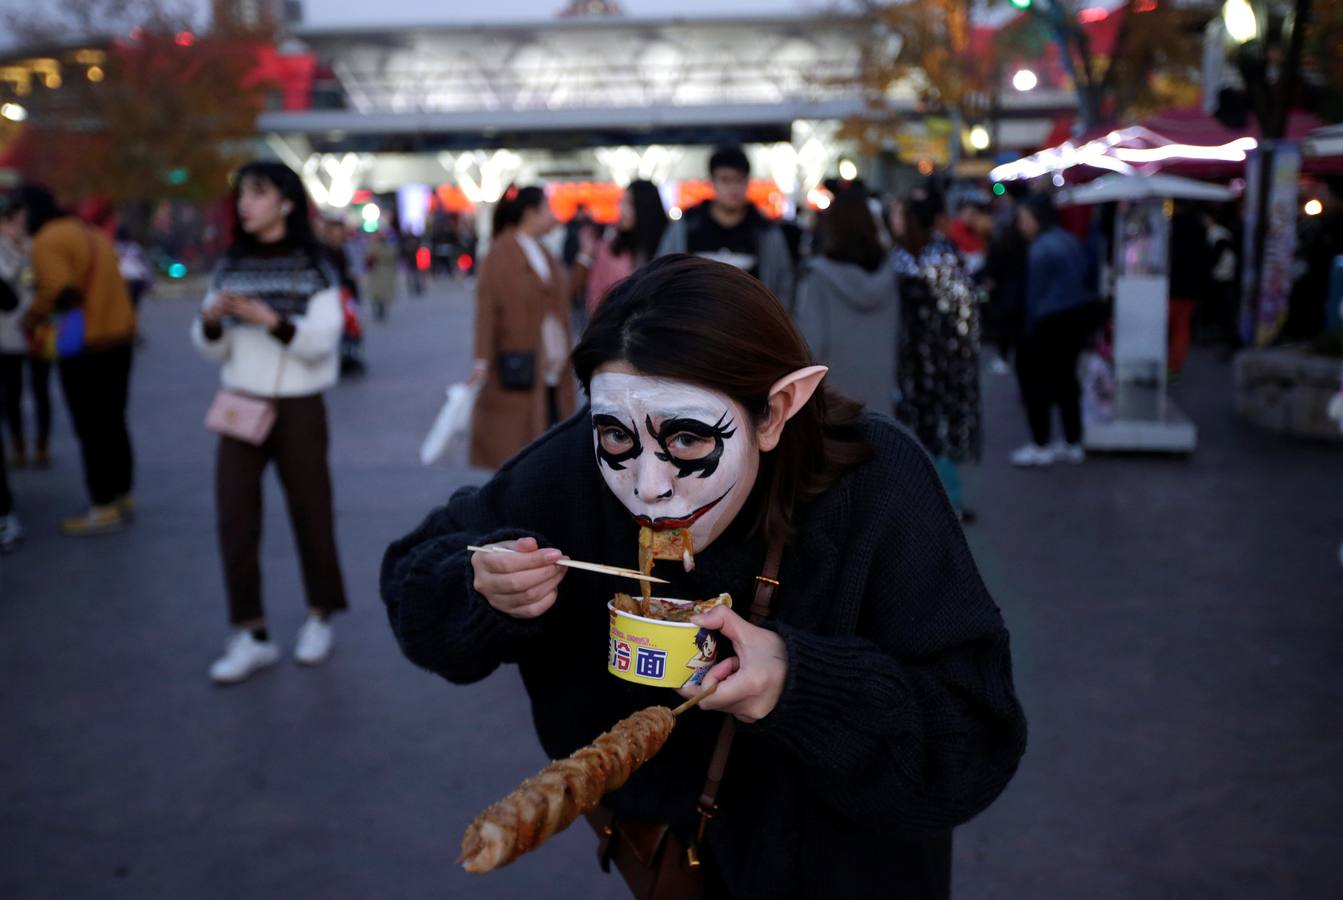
[659,653]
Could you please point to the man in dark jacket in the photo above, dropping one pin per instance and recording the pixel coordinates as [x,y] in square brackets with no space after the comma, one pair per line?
[730,229]
[1056,326]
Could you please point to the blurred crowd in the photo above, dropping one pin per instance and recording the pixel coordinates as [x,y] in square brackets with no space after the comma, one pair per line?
[898,294]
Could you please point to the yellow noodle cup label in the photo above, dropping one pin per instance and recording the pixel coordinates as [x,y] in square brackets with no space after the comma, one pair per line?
[657,653]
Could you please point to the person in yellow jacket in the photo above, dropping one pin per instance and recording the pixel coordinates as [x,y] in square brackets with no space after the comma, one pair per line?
[79,286]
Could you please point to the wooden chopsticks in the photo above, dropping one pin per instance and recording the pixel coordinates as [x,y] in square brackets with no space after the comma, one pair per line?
[586,566]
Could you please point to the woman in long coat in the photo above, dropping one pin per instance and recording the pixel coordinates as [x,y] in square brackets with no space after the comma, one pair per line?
[522,342]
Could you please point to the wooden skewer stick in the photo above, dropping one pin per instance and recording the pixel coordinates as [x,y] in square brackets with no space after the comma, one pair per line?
[694,701]
[586,566]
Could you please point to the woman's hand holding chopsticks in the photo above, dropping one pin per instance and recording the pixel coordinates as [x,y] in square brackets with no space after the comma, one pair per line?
[522,584]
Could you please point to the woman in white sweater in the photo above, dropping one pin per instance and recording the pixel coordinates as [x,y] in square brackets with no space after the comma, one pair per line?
[273,320]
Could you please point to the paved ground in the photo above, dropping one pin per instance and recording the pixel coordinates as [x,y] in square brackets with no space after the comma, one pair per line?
[1177,631]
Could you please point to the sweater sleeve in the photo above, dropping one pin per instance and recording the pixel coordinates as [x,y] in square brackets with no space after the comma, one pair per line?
[1040,275]
[776,266]
[317,332]
[921,738]
[215,348]
[813,318]
[55,268]
[440,621]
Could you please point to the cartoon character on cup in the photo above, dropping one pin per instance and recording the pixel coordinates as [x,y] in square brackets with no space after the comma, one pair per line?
[707,645]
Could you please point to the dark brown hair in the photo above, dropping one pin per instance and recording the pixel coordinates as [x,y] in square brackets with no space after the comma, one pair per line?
[708,323]
[515,201]
[920,209]
[849,233]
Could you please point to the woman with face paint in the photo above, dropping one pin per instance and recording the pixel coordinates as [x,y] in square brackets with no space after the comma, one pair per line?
[875,707]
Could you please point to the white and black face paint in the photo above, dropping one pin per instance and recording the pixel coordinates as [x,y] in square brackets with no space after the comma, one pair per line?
[676,455]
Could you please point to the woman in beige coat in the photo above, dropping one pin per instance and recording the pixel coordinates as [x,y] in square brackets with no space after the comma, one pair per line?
[522,341]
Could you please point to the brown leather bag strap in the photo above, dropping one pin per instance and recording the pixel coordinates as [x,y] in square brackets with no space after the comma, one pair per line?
[765,585]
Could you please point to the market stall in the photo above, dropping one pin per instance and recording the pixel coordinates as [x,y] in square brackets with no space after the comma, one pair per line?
[1143,417]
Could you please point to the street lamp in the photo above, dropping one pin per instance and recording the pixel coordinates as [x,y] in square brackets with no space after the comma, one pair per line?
[980,138]
[14,112]
[847,170]
[1239,19]
[1025,80]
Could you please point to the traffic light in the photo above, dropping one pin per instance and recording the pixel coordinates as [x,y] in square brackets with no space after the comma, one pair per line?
[1022,4]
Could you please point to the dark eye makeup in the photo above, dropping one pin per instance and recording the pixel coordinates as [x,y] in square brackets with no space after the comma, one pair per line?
[612,435]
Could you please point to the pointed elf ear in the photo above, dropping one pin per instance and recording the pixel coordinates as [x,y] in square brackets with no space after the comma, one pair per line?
[788,395]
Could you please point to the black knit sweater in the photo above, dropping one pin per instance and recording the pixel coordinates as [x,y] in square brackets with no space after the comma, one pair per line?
[898,718]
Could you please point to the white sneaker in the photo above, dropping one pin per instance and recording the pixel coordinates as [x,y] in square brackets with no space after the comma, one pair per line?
[314,642]
[11,532]
[1069,453]
[243,656]
[1033,455]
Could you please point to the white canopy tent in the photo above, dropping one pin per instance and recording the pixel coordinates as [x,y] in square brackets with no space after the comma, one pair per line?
[1327,141]
[1113,188]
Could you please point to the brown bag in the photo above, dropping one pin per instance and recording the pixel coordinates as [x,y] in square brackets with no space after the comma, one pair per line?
[655,863]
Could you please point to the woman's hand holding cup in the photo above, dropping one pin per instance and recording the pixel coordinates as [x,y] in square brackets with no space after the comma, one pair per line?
[750,683]
[523,584]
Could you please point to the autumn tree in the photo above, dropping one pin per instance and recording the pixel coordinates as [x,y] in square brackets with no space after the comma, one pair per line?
[921,49]
[930,48]
[142,107]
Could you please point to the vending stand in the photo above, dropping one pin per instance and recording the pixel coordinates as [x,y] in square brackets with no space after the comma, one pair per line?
[1143,417]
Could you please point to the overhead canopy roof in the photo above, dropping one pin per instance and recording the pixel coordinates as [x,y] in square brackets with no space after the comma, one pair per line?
[603,80]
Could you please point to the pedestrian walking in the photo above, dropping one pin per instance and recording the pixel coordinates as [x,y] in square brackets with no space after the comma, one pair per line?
[1057,321]
[730,229]
[579,224]
[272,319]
[409,245]
[16,351]
[1221,309]
[847,305]
[380,258]
[333,238]
[1004,276]
[966,232]
[11,532]
[134,266]
[938,357]
[872,712]
[522,339]
[1190,281]
[617,252]
[82,298]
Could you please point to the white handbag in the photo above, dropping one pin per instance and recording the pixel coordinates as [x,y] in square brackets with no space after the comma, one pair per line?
[451,431]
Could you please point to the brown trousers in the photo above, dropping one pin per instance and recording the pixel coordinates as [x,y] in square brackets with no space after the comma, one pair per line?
[298,445]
